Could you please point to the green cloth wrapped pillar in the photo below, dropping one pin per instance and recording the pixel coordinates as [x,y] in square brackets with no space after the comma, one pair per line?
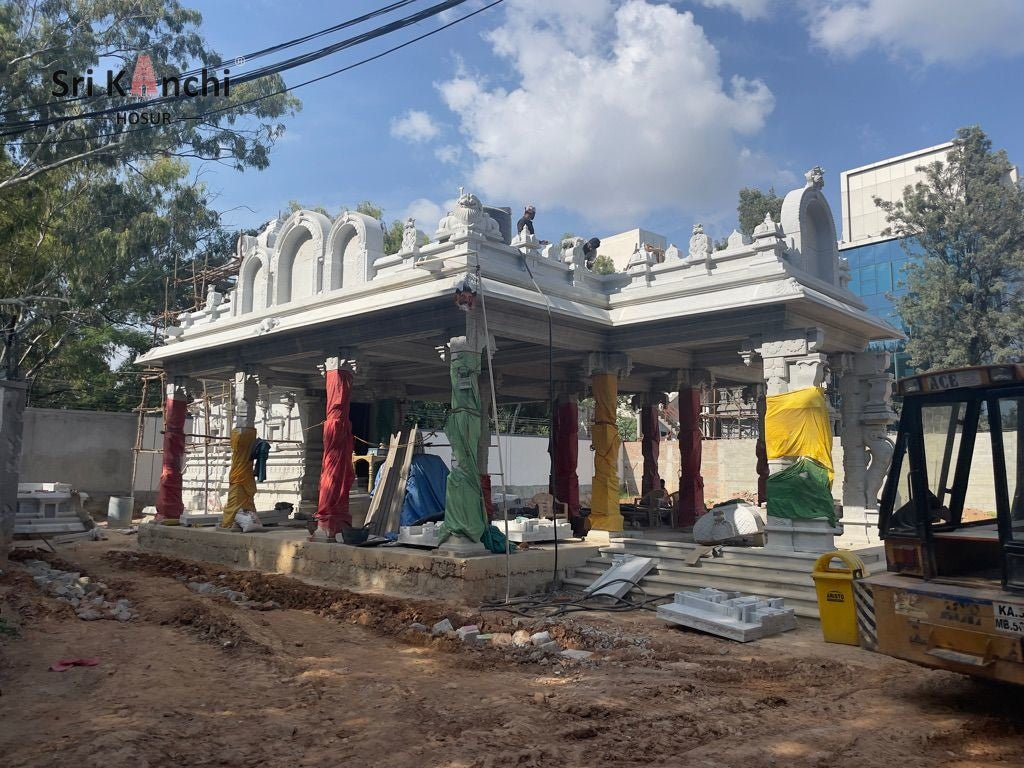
[464,512]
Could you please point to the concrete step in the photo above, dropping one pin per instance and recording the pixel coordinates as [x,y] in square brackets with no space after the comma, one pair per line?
[722,572]
[796,588]
[48,527]
[754,557]
[804,603]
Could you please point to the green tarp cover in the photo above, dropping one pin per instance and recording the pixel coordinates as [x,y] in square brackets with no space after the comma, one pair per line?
[463,503]
[801,491]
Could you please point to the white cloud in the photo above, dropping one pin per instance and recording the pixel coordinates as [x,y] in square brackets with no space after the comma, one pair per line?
[426,212]
[449,153]
[615,112]
[930,30]
[749,10]
[415,125]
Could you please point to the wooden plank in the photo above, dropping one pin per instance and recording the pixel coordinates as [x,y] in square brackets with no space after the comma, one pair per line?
[408,448]
[377,508]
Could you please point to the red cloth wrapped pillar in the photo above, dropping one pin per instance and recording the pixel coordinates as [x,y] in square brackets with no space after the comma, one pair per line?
[566,448]
[169,505]
[336,473]
[691,484]
[651,448]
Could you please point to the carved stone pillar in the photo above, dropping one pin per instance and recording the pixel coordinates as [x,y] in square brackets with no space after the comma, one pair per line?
[565,444]
[650,428]
[312,407]
[241,483]
[866,388]
[795,361]
[691,482]
[604,369]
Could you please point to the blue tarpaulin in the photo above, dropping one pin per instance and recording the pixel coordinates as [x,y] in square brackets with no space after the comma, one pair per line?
[424,489]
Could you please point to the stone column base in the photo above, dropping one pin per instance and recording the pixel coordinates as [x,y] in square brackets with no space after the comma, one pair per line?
[800,535]
[860,528]
[460,546]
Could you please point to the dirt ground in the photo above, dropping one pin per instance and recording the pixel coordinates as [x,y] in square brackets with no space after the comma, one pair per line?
[334,678]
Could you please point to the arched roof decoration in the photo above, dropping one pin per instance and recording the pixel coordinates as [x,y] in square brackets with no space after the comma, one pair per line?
[354,243]
[301,226]
[810,230]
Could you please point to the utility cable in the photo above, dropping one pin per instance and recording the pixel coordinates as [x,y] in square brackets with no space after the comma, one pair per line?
[247,57]
[547,607]
[272,94]
[497,430]
[551,407]
[257,74]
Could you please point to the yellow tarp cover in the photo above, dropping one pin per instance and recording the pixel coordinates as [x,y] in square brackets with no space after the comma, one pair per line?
[797,424]
[241,481]
[604,495]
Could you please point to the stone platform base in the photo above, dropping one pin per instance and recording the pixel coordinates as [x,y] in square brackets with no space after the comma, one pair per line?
[393,570]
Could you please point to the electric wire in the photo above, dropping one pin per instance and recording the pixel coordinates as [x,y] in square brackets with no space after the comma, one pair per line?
[497,430]
[551,406]
[256,74]
[288,89]
[548,607]
[247,57]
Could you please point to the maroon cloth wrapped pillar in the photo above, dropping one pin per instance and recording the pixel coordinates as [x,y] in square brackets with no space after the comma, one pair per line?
[337,473]
[485,489]
[169,505]
[651,447]
[691,484]
[761,452]
[566,445]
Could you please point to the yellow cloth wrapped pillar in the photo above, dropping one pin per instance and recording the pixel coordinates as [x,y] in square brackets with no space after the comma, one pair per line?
[604,498]
[797,424]
[241,481]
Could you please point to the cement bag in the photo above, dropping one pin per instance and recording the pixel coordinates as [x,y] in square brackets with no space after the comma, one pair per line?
[247,520]
[798,424]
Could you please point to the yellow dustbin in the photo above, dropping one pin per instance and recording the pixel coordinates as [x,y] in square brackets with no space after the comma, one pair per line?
[835,596]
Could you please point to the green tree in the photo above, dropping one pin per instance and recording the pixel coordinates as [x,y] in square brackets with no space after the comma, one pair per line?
[753,205]
[39,38]
[963,226]
[603,265]
[97,219]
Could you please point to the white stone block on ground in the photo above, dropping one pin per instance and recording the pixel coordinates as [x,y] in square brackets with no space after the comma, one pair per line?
[628,567]
[729,614]
[427,535]
[532,530]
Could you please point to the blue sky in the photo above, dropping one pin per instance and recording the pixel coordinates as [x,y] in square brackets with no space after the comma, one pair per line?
[613,114]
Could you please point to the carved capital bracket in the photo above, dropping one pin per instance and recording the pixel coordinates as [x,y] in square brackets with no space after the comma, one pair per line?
[609,362]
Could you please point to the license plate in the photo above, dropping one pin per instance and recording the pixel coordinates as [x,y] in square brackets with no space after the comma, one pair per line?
[954,380]
[1009,617]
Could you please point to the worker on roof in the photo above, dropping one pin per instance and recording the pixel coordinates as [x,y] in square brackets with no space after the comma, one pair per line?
[527,220]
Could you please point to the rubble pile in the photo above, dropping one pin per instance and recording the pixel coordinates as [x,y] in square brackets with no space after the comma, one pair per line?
[92,600]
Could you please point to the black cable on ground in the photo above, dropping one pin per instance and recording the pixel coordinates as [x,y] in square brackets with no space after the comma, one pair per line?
[546,607]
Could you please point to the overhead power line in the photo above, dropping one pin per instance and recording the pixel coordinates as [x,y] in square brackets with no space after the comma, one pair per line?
[14,129]
[339,71]
[227,62]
